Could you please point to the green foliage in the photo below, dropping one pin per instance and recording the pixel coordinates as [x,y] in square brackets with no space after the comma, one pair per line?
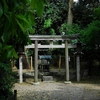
[91,34]
[1,10]
[54,15]
[91,37]
[6,52]
[97,13]
[6,82]
[47,23]
[16,23]
[70,29]
[14,20]
[83,12]
[38,6]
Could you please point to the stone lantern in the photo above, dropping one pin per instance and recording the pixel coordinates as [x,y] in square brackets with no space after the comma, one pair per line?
[78,48]
[20,49]
[78,53]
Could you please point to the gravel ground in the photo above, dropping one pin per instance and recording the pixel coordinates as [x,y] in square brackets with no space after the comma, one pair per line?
[57,91]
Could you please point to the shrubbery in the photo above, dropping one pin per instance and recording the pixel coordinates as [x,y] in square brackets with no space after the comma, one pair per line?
[6,83]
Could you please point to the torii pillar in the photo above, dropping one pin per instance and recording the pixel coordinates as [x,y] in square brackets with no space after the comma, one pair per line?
[66,63]
[36,63]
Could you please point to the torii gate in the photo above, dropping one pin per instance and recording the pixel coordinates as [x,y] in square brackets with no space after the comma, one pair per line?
[52,38]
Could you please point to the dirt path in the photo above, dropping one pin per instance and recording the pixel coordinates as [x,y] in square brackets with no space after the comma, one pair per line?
[57,91]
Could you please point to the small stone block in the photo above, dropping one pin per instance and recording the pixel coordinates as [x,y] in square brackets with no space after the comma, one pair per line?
[47,79]
[67,82]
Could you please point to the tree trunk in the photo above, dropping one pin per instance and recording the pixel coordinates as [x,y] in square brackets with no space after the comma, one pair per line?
[70,13]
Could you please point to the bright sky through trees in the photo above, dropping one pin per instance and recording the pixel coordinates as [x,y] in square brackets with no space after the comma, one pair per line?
[75,0]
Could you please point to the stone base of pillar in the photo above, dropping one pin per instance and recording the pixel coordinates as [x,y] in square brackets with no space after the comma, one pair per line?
[67,82]
[35,83]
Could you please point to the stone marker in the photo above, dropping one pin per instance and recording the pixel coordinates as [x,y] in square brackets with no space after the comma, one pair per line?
[47,78]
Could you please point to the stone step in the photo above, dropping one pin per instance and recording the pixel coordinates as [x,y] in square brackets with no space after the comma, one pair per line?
[47,78]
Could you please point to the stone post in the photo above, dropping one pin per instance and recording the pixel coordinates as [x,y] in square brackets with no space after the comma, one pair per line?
[78,67]
[31,64]
[20,70]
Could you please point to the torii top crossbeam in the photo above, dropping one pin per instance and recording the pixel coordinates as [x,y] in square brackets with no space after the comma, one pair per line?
[53,37]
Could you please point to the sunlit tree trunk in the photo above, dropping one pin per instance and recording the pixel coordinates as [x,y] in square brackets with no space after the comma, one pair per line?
[70,13]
